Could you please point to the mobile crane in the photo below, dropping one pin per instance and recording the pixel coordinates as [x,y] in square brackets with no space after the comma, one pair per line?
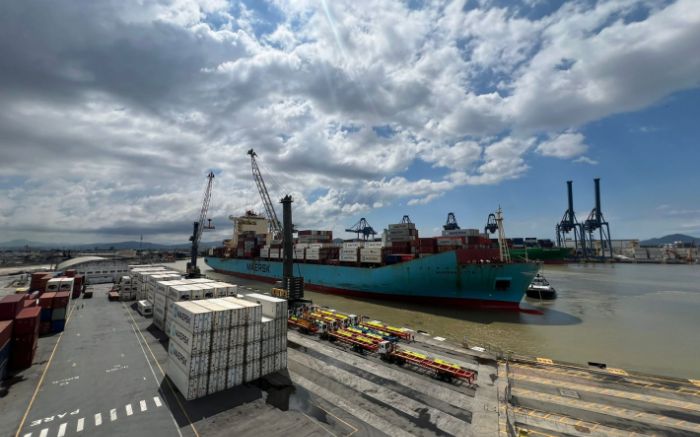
[198,227]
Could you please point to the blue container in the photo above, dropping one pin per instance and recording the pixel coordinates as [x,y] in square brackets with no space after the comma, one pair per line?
[58,325]
[46,314]
[3,368]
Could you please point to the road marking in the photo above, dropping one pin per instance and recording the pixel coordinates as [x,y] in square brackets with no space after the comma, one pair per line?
[81,423]
[158,381]
[43,375]
[62,429]
[113,414]
[44,432]
[544,360]
[615,371]
[156,399]
[144,407]
[98,419]
[129,411]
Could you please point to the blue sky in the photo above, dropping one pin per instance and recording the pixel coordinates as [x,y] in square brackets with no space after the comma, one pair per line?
[108,126]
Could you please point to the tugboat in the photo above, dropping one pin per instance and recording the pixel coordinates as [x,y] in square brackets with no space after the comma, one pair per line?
[541,289]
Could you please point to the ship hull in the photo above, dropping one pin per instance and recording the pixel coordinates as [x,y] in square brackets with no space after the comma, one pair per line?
[440,279]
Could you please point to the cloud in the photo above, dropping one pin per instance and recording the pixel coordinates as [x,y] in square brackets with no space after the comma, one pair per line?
[110,124]
[566,145]
[586,160]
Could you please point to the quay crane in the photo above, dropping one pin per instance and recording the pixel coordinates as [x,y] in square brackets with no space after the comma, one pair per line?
[198,227]
[362,227]
[451,223]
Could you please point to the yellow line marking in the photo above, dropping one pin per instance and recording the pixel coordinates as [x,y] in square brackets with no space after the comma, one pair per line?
[544,360]
[615,371]
[187,416]
[354,430]
[43,374]
[318,424]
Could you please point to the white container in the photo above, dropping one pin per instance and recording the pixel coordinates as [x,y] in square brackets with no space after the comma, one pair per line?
[236,356]
[221,316]
[53,284]
[192,316]
[200,280]
[272,307]
[190,387]
[218,360]
[374,244]
[219,339]
[179,293]
[253,310]
[348,255]
[313,254]
[217,382]
[234,376]
[196,292]
[266,329]
[252,350]
[371,258]
[236,336]
[251,371]
[190,342]
[353,245]
[253,331]
[191,365]
[237,313]
[207,290]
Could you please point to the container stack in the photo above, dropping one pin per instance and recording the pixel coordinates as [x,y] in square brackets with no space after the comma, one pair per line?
[314,236]
[167,292]
[273,332]
[25,335]
[401,238]
[39,281]
[5,341]
[350,251]
[371,252]
[59,307]
[46,304]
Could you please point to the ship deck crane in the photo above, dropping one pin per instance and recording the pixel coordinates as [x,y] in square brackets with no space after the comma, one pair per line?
[198,227]
[362,227]
[275,225]
[494,223]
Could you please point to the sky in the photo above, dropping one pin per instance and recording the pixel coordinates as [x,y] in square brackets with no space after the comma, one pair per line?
[112,112]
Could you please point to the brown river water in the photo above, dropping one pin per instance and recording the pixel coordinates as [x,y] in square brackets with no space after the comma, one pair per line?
[638,317]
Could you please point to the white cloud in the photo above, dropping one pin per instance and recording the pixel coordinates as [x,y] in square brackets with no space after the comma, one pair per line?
[134,105]
[586,160]
[566,145]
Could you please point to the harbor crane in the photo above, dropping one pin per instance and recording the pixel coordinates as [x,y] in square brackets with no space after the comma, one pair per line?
[596,222]
[405,219]
[569,224]
[274,223]
[363,227]
[451,223]
[198,227]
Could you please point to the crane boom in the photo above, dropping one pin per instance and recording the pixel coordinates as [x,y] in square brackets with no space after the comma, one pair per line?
[199,226]
[275,225]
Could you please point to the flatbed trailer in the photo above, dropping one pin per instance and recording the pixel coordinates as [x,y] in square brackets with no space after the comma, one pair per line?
[358,342]
[441,369]
[304,326]
[401,333]
[385,335]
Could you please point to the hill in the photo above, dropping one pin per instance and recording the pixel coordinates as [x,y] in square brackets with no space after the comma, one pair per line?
[19,244]
[668,239]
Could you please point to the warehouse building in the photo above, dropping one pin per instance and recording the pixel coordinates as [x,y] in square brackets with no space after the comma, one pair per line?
[96,269]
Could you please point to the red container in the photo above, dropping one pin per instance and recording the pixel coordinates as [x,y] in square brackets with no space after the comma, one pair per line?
[466,256]
[27,322]
[11,305]
[44,328]
[70,273]
[5,331]
[23,351]
[28,303]
[61,299]
[46,300]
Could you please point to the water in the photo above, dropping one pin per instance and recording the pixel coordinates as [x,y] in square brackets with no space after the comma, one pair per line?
[636,317]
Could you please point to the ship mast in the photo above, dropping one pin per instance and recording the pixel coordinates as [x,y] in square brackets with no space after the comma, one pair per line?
[502,243]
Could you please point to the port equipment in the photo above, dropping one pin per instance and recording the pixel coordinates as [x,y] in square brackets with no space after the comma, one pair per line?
[494,223]
[569,224]
[401,333]
[274,223]
[303,325]
[441,369]
[596,222]
[362,228]
[451,223]
[359,343]
[198,227]
[406,219]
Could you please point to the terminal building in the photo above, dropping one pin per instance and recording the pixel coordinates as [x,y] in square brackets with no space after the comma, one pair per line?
[96,269]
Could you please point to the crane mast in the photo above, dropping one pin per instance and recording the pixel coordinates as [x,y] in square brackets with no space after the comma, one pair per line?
[275,226]
[199,226]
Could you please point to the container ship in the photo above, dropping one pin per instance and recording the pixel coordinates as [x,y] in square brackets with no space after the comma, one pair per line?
[460,268]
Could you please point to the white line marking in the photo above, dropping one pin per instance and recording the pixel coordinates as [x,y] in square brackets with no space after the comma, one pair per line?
[144,407]
[29,434]
[98,419]
[129,411]
[156,399]
[113,414]
[62,429]
[81,423]
[44,432]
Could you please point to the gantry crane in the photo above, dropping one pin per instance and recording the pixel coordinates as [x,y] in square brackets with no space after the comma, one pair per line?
[362,227]
[451,223]
[274,223]
[198,227]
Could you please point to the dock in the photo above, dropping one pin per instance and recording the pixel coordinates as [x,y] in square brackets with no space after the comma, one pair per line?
[105,375]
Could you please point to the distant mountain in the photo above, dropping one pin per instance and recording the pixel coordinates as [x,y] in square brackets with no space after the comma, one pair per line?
[18,244]
[668,239]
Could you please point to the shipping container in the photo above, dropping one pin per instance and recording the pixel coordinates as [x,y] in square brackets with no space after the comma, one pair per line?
[271,307]
[61,299]
[5,331]
[192,316]
[27,322]
[11,305]
[58,325]
[58,314]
